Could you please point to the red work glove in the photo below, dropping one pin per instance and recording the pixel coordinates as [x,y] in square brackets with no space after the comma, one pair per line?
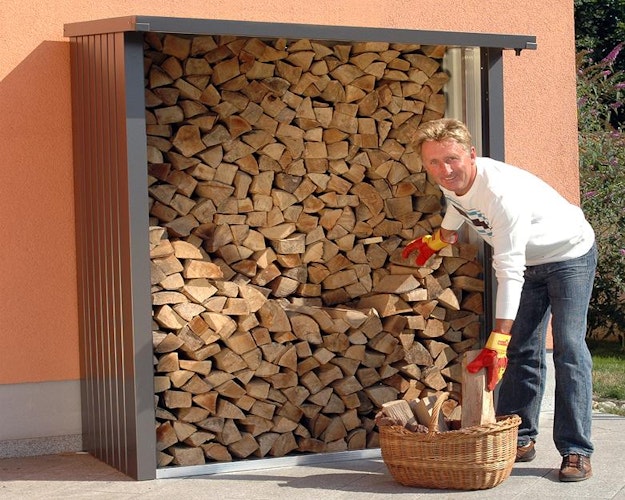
[493,358]
[426,246]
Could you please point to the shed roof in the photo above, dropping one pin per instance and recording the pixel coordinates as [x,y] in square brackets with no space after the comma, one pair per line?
[296,31]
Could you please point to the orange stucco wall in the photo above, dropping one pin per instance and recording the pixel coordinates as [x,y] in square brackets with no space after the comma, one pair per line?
[38,302]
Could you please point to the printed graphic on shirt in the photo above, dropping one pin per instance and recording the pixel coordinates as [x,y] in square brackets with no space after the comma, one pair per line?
[477,218]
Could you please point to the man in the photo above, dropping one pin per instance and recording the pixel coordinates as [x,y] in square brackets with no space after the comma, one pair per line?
[544,257]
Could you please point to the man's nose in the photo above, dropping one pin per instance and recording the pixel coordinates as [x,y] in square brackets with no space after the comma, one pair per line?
[445,168]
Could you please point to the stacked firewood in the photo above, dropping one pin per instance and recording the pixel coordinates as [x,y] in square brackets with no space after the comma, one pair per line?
[283,188]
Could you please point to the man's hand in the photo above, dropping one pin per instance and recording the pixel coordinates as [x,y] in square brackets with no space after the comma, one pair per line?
[426,246]
[493,358]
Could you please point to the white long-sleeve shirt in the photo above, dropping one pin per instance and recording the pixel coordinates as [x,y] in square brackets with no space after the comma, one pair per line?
[525,220]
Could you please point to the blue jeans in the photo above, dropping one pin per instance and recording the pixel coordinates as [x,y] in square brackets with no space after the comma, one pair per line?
[561,290]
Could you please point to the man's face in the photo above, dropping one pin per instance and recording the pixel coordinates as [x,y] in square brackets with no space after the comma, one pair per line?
[449,164]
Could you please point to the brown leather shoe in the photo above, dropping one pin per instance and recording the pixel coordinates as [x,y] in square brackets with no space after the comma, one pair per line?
[525,453]
[575,468]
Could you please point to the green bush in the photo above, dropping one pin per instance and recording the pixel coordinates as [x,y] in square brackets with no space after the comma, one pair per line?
[602,182]
[608,374]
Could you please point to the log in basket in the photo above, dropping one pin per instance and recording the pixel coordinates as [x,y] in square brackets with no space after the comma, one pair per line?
[472,458]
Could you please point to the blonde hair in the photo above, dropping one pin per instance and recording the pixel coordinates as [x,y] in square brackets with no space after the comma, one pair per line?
[442,130]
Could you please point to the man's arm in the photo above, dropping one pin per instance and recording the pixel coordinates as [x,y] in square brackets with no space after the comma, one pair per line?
[449,236]
[503,325]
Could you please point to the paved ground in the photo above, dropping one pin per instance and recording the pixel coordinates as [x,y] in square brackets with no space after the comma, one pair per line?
[78,476]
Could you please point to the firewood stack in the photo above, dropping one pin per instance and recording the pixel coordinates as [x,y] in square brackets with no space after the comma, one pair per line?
[283,188]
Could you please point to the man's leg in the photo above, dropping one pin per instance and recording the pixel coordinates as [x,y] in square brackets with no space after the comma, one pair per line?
[570,288]
[523,384]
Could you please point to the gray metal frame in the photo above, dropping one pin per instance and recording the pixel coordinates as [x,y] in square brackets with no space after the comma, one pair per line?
[493,120]
[493,145]
[111,199]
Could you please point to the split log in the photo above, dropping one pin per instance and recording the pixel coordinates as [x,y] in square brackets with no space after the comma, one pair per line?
[477,401]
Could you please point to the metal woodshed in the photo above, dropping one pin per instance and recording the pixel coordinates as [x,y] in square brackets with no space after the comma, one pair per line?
[111,200]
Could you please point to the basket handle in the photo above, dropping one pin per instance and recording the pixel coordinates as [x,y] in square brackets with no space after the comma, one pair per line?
[436,409]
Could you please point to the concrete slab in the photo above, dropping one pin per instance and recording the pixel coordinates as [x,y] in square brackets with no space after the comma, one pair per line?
[78,476]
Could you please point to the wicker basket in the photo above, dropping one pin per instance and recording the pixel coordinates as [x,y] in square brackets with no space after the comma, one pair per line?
[473,458]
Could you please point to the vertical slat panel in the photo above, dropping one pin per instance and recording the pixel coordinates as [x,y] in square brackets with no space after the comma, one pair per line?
[98,235]
[108,298]
[99,231]
[92,250]
[116,287]
[94,235]
[112,236]
[125,368]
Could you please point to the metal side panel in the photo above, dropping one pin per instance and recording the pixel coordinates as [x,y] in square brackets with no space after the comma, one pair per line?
[113,255]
